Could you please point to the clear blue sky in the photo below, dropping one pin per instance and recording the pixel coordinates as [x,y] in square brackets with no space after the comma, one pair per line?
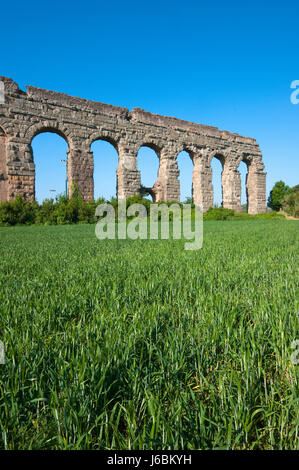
[224,63]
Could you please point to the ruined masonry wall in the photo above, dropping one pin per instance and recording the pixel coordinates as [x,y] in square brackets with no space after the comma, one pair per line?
[80,122]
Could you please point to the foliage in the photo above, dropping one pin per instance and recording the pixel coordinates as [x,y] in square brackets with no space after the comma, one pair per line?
[122,344]
[279,191]
[218,213]
[18,212]
[290,203]
[63,211]
[188,200]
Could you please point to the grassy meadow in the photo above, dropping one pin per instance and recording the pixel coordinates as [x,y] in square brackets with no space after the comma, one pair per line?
[122,344]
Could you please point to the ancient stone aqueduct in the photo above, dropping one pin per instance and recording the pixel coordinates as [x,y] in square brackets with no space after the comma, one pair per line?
[81,122]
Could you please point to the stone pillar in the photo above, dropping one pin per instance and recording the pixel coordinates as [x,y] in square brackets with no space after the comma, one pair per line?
[20,170]
[80,172]
[202,188]
[168,177]
[128,176]
[256,190]
[231,189]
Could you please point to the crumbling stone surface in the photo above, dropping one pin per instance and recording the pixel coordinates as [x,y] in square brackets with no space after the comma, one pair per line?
[81,122]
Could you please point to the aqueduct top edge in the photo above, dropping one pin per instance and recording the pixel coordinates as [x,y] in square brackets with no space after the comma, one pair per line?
[136,114]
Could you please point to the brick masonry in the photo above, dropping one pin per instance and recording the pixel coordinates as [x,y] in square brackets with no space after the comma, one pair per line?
[81,122]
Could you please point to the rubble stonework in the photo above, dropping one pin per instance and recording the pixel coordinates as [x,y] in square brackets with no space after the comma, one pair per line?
[81,122]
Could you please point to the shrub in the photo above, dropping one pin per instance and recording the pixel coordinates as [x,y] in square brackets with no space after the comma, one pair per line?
[18,211]
[74,210]
[218,213]
[290,203]
[279,191]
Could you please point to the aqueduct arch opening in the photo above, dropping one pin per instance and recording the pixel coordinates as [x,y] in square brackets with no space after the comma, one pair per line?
[148,162]
[217,162]
[105,160]
[49,154]
[186,174]
[81,122]
[243,171]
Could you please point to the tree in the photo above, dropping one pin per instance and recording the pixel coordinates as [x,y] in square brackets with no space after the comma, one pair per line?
[279,191]
[290,203]
[188,200]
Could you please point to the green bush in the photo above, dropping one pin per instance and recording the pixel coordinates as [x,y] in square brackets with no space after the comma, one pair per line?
[219,213]
[75,210]
[279,191]
[18,212]
[290,203]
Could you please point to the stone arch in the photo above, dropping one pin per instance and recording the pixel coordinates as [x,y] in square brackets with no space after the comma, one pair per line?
[156,148]
[219,155]
[49,126]
[193,150]
[237,179]
[105,135]
[255,180]
[97,184]
[153,143]
[52,127]
[55,147]
[253,162]
[81,158]
[149,191]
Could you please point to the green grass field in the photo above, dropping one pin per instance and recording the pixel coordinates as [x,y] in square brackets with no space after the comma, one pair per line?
[142,345]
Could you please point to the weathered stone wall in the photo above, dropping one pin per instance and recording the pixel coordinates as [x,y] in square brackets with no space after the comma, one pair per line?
[3,175]
[81,122]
